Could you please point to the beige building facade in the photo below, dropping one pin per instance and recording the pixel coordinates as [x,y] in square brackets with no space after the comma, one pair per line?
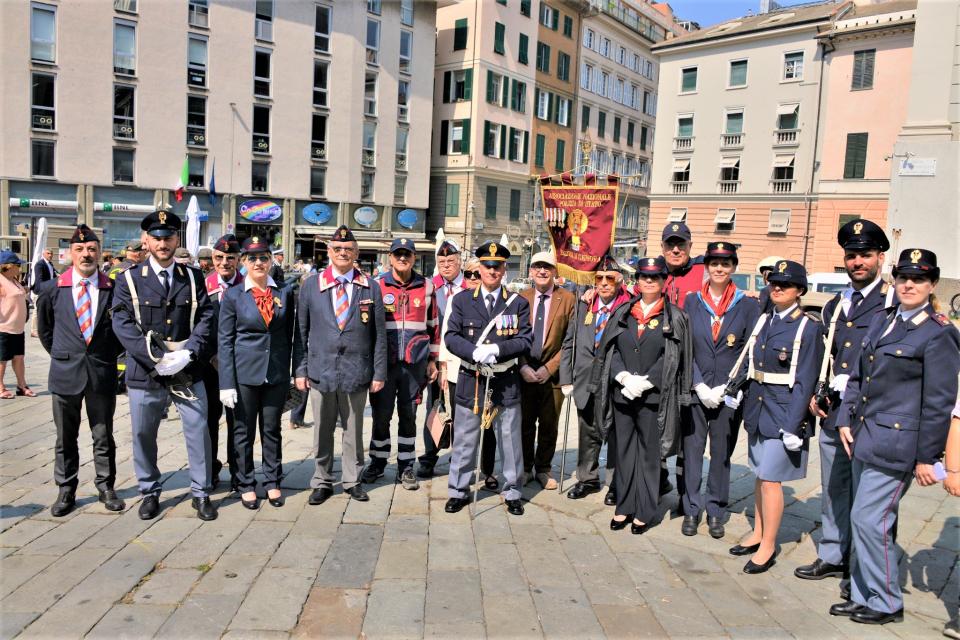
[305,114]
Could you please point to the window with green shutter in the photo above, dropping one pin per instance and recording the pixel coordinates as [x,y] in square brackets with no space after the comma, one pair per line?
[563,66]
[643,138]
[561,152]
[490,206]
[616,129]
[538,150]
[568,26]
[863,62]
[514,204]
[601,124]
[460,34]
[525,7]
[855,162]
[685,127]
[499,34]
[522,55]
[556,19]
[688,79]
[543,57]
[629,134]
[452,200]
[584,118]
[738,73]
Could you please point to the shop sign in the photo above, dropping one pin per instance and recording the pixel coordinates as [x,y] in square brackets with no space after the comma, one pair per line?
[36,203]
[317,213]
[918,167]
[366,216]
[407,218]
[260,210]
[129,208]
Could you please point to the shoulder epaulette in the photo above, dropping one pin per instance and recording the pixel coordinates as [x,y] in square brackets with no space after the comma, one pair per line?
[919,318]
[796,314]
[941,319]
[144,271]
[884,287]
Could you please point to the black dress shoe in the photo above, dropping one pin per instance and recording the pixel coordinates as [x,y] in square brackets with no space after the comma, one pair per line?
[491,483]
[205,509]
[66,502]
[275,502]
[455,504]
[752,567]
[253,505]
[637,529]
[582,490]
[690,524]
[869,616]
[617,525]
[740,550]
[424,471]
[357,493]
[149,507]
[514,507]
[715,527]
[818,570]
[371,473]
[111,501]
[320,495]
[845,608]
[611,498]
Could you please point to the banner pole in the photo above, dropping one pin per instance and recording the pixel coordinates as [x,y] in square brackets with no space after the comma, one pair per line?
[569,399]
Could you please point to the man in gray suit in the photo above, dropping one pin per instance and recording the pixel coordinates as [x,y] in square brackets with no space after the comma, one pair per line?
[344,355]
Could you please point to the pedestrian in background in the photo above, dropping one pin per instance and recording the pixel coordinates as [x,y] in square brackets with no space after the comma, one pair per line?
[13,323]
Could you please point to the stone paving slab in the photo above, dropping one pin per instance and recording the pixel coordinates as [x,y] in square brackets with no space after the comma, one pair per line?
[398,566]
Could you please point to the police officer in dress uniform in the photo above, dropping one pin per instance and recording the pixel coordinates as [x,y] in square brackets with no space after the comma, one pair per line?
[225,257]
[894,421]
[169,300]
[488,330]
[73,319]
[849,315]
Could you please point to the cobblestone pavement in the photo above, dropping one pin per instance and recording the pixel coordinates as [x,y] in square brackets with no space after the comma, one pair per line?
[398,566]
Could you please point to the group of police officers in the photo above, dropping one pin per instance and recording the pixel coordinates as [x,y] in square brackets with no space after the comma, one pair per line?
[519,356]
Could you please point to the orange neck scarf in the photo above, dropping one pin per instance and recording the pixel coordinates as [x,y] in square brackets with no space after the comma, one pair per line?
[637,312]
[719,308]
[264,300]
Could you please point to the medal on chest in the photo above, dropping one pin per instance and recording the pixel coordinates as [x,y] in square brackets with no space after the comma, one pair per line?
[782,356]
[731,340]
[653,324]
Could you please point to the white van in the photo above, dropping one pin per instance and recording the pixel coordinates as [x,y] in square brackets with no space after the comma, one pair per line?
[828,282]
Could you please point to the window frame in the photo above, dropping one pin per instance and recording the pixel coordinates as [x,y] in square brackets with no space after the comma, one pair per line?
[196,68]
[373,51]
[193,129]
[865,59]
[370,103]
[131,179]
[123,120]
[321,90]
[35,43]
[37,110]
[322,171]
[191,173]
[318,145]
[746,71]
[855,166]
[774,228]
[451,188]
[265,164]
[119,24]
[260,140]
[696,79]
[196,8]
[499,38]
[407,9]
[490,203]
[795,77]
[319,37]
[35,143]
[260,81]
[406,62]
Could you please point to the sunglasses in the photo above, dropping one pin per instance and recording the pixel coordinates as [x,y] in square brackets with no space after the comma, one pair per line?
[471,275]
[402,255]
[605,278]
[259,258]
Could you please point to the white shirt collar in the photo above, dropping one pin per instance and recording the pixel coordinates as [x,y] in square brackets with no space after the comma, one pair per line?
[458,281]
[783,314]
[157,268]
[248,283]
[348,275]
[907,314]
[484,293]
[224,283]
[848,292]
[78,277]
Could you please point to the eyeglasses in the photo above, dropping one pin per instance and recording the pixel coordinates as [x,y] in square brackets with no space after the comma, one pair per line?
[224,258]
[471,275]
[259,258]
[341,249]
[605,278]
[540,266]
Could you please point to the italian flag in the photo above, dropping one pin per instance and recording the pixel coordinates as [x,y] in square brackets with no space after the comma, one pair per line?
[182,181]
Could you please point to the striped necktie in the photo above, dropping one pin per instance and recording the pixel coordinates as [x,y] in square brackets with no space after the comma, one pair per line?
[343,302]
[85,311]
[602,318]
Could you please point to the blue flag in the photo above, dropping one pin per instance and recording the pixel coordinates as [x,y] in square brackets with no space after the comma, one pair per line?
[213,183]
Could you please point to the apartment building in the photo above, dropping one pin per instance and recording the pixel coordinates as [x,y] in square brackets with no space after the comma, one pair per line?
[617,105]
[304,114]
[739,108]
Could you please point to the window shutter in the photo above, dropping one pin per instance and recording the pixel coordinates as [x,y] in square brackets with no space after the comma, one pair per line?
[536,102]
[868,68]
[486,138]
[460,34]
[444,131]
[550,107]
[465,143]
[446,86]
[855,159]
[513,95]
[468,84]
[526,144]
[491,96]
[556,18]
[505,92]
[503,141]
[513,144]
[561,152]
[538,150]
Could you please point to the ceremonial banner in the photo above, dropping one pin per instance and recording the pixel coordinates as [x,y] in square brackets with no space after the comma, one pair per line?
[581,221]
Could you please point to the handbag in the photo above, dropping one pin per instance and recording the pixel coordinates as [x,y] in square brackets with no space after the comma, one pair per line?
[440,423]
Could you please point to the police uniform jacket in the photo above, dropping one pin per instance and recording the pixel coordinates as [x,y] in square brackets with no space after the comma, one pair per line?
[770,408]
[848,336]
[75,365]
[714,359]
[334,360]
[168,317]
[901,392]
[468,319]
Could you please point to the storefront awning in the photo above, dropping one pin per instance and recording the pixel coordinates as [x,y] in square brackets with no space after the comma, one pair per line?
[787,109]
[725,216]
[783,161]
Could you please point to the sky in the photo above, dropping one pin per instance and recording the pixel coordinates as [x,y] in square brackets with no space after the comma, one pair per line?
[710,12]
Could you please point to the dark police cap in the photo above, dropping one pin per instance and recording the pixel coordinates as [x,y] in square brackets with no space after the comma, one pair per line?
[607,263]
[721,250]
[161,224]
[83,233]
[652,267]
[227,244]
[917,262]
[862,234]
[789,272]
[136,245]
[448,248]
[256,244]
[402,244]
[493,253]
[343,234]
[676,230]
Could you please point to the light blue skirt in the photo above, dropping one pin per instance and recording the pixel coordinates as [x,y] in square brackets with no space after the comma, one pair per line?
[770,460]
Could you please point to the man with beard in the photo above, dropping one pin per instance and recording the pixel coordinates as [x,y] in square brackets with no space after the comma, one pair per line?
[850,313]
[74,326]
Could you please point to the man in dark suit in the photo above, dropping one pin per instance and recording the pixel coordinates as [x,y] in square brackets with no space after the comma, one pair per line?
[170,301]
[43,270]
[342,356]
[541,399]
[74,324]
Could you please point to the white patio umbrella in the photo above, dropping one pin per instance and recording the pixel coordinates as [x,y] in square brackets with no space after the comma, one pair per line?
[40,243]
[193,227]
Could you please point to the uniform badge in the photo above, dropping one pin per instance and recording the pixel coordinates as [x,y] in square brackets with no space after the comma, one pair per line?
[389,298]
[857,228]
[915,256]
[731,339]
[782,356]
[277,302]
[416,302]
[589,318]
[364,317]
[653,324]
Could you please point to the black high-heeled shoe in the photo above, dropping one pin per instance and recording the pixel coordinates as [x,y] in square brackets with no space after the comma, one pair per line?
[275,502]
[740,550]
[637,529]
[752,567]
[617,525]
[253,505]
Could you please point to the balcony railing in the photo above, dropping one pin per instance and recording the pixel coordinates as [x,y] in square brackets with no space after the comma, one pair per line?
[369,158]
[680,187]
[196,136]
[683,143]
[401,162]
[729,186]
[318,150]
[782,186]
[261,143]
[124,129]
[731,140]
[786,137]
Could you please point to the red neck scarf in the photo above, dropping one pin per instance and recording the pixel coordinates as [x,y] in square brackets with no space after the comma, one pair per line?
[637,312]
[264,300]
[719,308]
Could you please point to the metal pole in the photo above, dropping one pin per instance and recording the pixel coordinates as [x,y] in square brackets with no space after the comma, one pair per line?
[569,399]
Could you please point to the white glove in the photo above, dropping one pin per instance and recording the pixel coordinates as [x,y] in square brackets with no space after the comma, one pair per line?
[717,393]
[731,402]
[839,383]
[634,386]
[792,442]
[567,389]
[173,362]
[705,394]
[482,354]
[228,398]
